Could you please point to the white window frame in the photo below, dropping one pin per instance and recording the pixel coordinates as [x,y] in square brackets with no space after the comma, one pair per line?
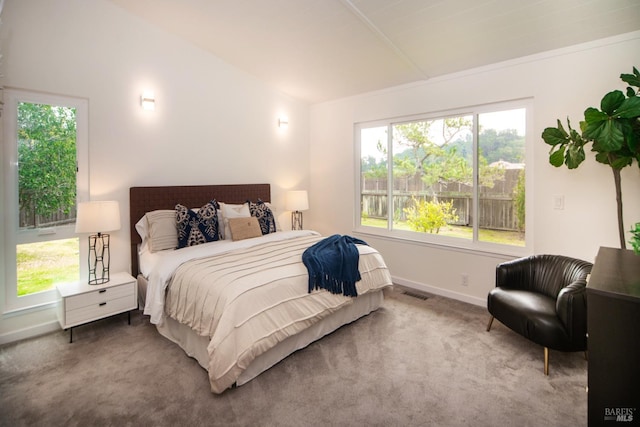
[12,235]
[471,245]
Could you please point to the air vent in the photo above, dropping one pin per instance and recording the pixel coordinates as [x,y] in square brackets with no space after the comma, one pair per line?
[416,295]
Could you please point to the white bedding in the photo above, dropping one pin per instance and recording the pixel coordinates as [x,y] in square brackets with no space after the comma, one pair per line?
[161,265]
[248,296]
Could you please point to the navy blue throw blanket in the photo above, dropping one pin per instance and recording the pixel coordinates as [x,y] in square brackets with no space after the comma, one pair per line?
[333,264]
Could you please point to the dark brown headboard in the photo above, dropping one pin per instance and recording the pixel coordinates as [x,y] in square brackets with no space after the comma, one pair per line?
[147,199]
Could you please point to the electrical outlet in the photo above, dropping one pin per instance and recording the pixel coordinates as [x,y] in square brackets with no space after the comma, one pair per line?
[465,279]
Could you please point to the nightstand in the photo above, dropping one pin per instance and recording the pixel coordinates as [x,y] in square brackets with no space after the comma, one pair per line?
[80,303]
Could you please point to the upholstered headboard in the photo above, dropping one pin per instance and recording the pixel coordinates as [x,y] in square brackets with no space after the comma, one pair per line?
[147,199]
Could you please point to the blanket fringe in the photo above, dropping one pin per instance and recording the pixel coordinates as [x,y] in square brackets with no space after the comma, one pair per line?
[333,285]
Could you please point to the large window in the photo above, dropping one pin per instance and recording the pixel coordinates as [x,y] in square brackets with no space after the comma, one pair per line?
[456,178]
[45,172]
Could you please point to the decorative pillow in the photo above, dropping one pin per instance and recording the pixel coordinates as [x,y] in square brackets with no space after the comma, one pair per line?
[162,232]
[244,228]
[265,217]
[275,215]
[199,227]
[233,211]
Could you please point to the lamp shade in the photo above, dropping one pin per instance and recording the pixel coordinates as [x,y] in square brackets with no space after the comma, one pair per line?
[297,201]
[98,217]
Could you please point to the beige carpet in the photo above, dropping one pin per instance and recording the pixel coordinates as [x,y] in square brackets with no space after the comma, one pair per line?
[412,362]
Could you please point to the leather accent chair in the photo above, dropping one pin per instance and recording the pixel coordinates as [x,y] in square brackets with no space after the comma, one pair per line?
[543,298]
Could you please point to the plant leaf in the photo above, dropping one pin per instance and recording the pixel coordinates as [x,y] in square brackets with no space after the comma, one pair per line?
[611,102]
[593,115]
[602,157]
[556,158]
[575,155]
[607,136]
[632,79]
[554,136]
[621,162]
[629,108]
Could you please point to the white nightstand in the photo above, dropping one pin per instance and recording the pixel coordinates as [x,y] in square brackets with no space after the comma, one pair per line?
[80,303]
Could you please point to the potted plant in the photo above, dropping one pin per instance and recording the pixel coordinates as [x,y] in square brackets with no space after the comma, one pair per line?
[613,132]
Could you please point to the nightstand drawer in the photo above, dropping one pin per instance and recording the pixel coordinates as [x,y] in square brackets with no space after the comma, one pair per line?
[99,310]
[99,296]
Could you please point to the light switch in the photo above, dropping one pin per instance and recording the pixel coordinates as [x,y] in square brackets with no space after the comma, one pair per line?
[558,202]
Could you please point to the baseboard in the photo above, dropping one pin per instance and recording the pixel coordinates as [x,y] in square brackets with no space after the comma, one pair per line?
[30,332]
[439,291]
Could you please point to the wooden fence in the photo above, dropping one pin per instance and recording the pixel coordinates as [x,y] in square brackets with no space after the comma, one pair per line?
[27,219]
[496,207]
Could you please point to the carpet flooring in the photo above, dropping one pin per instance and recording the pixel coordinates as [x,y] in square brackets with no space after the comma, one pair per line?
[413,362]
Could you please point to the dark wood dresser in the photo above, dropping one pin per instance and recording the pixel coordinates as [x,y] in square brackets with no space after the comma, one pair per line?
[613,316]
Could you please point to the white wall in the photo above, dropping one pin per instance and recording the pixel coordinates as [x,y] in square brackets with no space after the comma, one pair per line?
[213,124]
[562,83]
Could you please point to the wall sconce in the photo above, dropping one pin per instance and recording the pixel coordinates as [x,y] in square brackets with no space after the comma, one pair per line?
[148,101]
[296,201]
[283,122]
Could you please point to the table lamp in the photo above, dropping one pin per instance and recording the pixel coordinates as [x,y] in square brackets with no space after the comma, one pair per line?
[297,201]
[96,218]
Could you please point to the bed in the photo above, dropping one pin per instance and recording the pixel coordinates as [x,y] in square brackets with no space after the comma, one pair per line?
[238,306]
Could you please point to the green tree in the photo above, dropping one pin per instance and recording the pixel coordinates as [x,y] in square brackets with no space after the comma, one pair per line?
[519,200]
[423,151]
[46,160]
[371,168]
[504,145]
[451,159]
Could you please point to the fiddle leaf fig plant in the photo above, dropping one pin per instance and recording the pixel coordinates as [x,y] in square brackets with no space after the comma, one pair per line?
[613,132]
[635,238]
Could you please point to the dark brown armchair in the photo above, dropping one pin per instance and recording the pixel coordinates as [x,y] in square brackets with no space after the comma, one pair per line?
[543,298]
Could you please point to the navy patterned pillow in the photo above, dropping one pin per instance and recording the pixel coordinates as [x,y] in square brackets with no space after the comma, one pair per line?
[199,227]
[265,217]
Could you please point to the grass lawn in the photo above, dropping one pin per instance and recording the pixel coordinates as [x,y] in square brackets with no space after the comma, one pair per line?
[513,238]
[42,265]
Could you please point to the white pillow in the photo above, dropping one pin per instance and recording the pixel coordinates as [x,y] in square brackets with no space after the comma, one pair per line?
[233,211]
[161,229]
[143,230]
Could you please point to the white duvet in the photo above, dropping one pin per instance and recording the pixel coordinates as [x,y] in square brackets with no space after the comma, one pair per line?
[248,296]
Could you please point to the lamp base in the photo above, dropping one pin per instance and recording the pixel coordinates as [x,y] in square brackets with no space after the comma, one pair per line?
[98,280]
[98,259]
[296,220]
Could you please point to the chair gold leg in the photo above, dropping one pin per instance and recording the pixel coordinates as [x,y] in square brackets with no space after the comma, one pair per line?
[490,323]
[546,361]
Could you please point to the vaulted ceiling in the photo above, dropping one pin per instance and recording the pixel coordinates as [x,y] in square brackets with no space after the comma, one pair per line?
[317,50]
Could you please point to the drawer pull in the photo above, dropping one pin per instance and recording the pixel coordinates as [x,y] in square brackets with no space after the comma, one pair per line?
[102,303]
[102,291]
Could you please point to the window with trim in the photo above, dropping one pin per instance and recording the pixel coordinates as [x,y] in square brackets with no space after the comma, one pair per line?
[457,178]
[45,171]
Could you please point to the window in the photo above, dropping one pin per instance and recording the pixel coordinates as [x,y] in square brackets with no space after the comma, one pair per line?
[46,171]
[456,179]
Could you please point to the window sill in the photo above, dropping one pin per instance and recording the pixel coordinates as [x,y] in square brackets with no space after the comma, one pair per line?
[448,244]
[13,312]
